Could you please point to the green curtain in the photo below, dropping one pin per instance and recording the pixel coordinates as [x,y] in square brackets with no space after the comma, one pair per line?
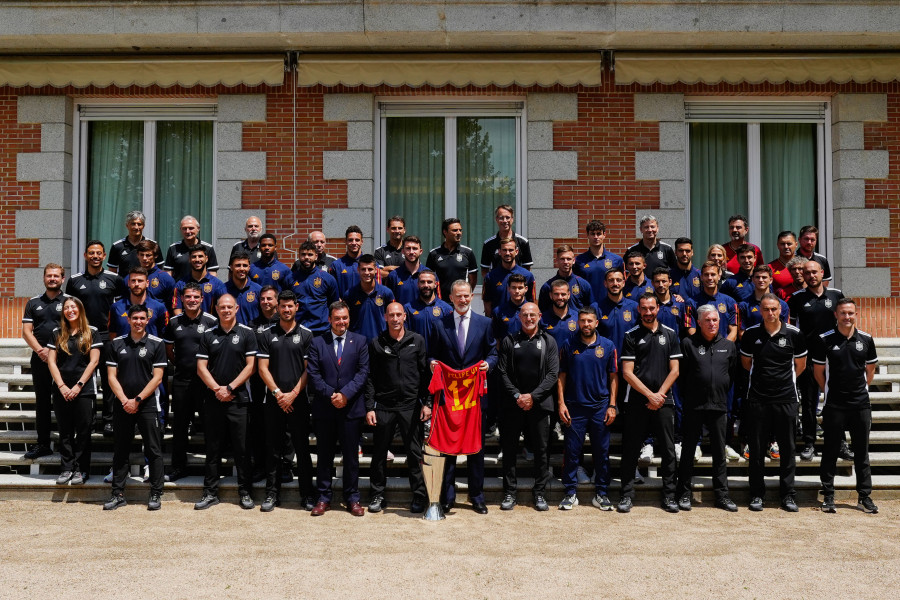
[718,181]
[414,175]
[115,177]
[485,174]
[788,191]
[184,178]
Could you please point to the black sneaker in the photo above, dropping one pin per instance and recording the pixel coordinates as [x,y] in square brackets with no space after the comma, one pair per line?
[828,504]
[845,452]
[37,451]
[867,506]
[509,502]
[669,505]
[114,502]
[756,504]
[417,506]
[726,503]
[246,501]
[624,505]
[269,503]
[808,452]
[684,503]
[154,502]
[207,501]
[108,430]
[307,503]
[540,503]
[176,474]
[789,504]
[377,504]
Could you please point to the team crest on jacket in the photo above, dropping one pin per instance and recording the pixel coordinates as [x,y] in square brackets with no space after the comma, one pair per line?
[436,311]
[675,310]
[659,254]
[317,282]
[607,263]
[662,340]
[296,339]
[102,285]
[154,283]
[626,315]
[782,342]
[379,301]
[207,288]
[859,345]
[696,282]
[201,328]
[149,313]
[58,307]
[572,326]
[576,289]
[142,352]
[459,258]
[701,351]
[599,352]
[276,275]
[235,339]
[722,308]
[251,296]
[828,302]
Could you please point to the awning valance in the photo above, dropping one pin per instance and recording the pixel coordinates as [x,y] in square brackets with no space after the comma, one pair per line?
[61,71]
[755,68]
[458,70]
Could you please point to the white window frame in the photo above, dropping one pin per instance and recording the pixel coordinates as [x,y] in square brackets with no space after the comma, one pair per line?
[753,111]
[450,107]
[148,110]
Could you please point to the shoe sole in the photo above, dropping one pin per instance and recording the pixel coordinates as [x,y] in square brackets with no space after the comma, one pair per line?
[264,509]
[210,505]
[250,506]
[685,507]
[569,506]
[756,508]
[829,509]
[867,511]
[375,510]
[157,507]
[600,506]
[114,507]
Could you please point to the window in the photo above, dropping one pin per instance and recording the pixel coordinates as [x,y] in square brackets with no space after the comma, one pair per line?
[154,158]
[765,160]
[440,161]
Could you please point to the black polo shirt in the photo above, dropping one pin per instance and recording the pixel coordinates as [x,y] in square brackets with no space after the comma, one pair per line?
[183,334]
[526,358]
[287,353]
[134,362]
[814,315]
[178,260]
[255,253]
[262,322]
[490,252]
[388,256]
[660,255]
[822,260]
[72,364]
[97,293]
[227,353]
[650,351]
[845,360]
[706,372]
[450,265]
[123,256]
[44,315]
[772,376]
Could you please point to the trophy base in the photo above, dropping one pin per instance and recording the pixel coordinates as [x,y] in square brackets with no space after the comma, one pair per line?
[434,512]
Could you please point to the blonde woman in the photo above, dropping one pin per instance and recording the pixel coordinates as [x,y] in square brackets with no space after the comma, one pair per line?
[716,253]
[74,356]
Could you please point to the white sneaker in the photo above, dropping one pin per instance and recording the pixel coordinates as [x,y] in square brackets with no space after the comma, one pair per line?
[646,455]
[698,454]
[581,476]
[568,502]
[677,450]
[146,473]
[730,453]
[109,476]
[557,429]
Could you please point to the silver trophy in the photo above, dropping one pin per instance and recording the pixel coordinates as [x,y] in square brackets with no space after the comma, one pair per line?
[433,470]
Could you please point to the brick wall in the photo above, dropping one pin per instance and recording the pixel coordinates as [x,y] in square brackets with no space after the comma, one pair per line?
[885,252]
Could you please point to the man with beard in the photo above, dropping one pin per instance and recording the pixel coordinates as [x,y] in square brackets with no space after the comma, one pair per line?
[315,289]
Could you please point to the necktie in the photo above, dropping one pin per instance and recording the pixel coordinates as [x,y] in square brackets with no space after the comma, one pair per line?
[461,336]
[340,348]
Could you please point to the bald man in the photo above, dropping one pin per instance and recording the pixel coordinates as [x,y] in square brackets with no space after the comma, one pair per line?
[178,257]
[250,245]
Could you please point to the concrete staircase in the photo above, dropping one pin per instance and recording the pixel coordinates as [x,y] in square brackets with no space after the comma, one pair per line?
[26,479]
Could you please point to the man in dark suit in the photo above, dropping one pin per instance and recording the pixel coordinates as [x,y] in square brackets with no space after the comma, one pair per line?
[338,368]
[462,339]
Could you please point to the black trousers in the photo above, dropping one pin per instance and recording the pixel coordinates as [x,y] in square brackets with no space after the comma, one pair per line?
[296,425]
[834,422]
[330,430]
[43,389]
[767,419]
[715,422]
[74,417]
[109,399]
[148,423]
[221,420]
[809,399]
[187,399]
[535,423]
[411,430]
[639,421]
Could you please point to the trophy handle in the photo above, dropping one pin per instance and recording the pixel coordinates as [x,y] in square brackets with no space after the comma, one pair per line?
[433,471]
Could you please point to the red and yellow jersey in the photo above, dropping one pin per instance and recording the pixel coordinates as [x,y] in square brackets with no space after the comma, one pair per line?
[456,421]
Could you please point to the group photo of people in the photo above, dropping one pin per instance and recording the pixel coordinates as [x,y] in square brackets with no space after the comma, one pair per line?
[669,347]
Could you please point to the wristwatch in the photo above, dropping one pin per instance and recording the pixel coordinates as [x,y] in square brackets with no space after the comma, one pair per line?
[516,396]
[276,391]
[229,388]
[138,399]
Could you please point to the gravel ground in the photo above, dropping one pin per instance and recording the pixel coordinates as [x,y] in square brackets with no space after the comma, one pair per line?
[76,550]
